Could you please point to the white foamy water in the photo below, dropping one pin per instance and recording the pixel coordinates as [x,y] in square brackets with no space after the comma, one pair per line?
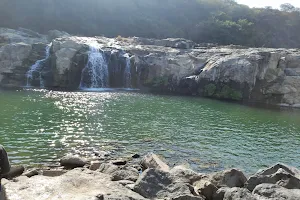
[97,69]
[37,67]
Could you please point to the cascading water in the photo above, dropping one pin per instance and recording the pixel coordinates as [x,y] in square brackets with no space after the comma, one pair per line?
[96,69]
[127,71]
[37,67]
[103,70]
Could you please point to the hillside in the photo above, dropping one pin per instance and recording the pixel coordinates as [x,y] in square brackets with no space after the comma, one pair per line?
[216,21]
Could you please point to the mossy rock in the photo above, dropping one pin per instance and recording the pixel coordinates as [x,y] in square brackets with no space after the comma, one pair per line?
[210,89]
[229,93]
[162,81]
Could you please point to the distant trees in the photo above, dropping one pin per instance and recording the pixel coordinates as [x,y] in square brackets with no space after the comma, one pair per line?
[287,7]
[216,21]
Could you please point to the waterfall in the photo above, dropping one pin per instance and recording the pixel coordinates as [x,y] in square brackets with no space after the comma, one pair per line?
[96,69]
[103,70]
[37,67]
[127,71]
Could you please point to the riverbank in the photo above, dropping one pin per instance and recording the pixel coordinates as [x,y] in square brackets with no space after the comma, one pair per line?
[149,177]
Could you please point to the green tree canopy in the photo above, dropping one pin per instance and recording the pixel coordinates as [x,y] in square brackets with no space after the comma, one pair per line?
[212,21]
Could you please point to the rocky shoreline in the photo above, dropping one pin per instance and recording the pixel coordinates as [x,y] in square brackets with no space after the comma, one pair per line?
[147,177]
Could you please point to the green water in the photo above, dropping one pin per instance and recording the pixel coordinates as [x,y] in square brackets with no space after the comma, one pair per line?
[41,126]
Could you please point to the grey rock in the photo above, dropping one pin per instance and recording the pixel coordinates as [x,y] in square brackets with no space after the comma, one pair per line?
[206,188]
[153,161]
[151,182]
[179,43]
[53,172]
[102,154]
[182,174]
[72,161]
[15,171]
[77,184]
[95,165]
[136,156]
[108,168]
[238,194]
[276,192]
[125,182]
[21,35]
[279,174]
[155,183]
[219,195]
[291,72]
[12,57]
[119,162]
[188,197]
[130,174]
[113,197]
[130,186]
[31,172]
[228,178]
[53,34]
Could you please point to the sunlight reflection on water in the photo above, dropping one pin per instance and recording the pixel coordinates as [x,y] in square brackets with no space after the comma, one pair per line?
[40,126]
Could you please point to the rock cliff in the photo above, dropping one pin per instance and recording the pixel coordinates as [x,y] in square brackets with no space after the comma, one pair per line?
[177,66]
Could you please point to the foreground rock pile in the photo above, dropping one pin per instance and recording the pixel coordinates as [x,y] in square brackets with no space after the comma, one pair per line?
[151,178]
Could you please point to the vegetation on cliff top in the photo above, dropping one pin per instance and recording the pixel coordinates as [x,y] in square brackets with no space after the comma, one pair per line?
[216,21]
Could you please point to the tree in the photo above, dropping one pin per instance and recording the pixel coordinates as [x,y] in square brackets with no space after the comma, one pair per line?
[287,7]
[218,21]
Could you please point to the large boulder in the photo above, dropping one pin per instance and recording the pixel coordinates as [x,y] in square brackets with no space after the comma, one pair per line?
[72,161]
[77,184]
[153,161]
[206,188]
[275,192]
[155,183]
[108,168]
[279,174]
[17,53]
[185,175]
[228,178]
[53,34]
[12,70]
[238,194]
[14,171]
[21,35]
[129,173]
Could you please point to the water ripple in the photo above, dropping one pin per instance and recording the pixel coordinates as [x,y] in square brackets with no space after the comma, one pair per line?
[40,126]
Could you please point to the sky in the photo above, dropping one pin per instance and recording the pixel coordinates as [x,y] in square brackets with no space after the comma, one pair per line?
[264,3]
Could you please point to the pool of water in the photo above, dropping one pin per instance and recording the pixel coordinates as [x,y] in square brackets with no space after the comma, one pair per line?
[39,126]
